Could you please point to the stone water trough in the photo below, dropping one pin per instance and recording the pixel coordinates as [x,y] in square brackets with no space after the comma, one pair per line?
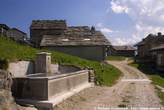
[43,84]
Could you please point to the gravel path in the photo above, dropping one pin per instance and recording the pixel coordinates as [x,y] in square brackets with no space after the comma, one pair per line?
[134,89]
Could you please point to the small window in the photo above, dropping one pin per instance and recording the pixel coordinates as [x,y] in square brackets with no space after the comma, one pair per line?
[65,40]
[86,39]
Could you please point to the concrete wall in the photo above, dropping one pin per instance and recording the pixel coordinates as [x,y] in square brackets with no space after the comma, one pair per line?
[64,84]
[24,68]
[87,52]
[43,88]
[43,63]
[30,88]
[21,68]
[68,69]
[54,68]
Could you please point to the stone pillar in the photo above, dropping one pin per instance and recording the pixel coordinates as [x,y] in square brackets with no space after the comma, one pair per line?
[91,76]
[43,63]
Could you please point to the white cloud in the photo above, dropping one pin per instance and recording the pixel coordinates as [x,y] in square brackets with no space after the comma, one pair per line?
[118,8]
[104,29]
[122,40]
[147,15]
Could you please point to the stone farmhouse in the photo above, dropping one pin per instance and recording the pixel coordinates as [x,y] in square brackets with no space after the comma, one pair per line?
[127,51]
[3,29]
[143,48]
[13,33]
[16,34]
[158,52]
[81,41]
[150,50]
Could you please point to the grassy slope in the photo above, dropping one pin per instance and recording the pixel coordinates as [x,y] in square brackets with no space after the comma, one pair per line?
[154,76]
[105,74]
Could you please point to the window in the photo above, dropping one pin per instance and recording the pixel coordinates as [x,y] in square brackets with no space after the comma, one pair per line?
[65,40]
[86,39]
[160,59]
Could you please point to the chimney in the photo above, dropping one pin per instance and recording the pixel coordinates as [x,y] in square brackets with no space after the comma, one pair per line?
[43,63]
[159,34]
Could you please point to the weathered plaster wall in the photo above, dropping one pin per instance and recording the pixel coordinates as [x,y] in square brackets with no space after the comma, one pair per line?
[21,68]
[87,52]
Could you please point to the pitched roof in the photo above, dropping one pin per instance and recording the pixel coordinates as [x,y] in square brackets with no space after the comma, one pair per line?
[140,43]
[15,29]
[4,26]
[152,38]
[73,36]
[48,24]
[123,48]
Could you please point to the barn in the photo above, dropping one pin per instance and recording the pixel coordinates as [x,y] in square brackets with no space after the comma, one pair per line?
[81,41]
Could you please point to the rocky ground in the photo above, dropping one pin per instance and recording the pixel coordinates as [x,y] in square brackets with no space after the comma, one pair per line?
[7,102]
[134,89]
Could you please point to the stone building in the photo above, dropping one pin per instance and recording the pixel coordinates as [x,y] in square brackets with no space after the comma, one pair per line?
[81,41]
[127,51]
[3,29]
[158,53]
[144,47]
[39,28]
[16,34]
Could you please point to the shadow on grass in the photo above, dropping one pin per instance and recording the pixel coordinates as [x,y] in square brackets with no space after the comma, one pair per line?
[147,68]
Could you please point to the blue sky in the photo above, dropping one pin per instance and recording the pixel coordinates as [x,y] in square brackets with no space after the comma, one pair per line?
[113,17]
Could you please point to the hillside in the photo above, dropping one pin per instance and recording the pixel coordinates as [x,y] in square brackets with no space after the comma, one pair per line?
[11,51]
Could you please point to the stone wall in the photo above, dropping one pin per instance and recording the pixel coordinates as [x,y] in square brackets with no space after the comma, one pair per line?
[87,52]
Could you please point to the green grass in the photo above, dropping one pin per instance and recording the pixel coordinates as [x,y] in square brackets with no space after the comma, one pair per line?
[161,95]
[118,58]
[105,74]
[153,75]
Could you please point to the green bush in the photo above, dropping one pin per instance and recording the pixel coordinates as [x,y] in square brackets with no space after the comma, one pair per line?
[161,95]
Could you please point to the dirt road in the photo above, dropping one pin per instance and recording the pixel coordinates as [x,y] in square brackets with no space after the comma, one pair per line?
[134,89]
